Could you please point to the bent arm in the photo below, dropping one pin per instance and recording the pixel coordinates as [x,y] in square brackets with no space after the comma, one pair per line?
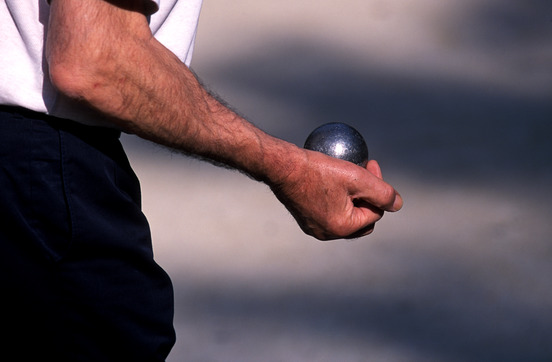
[106,57]
[103,54]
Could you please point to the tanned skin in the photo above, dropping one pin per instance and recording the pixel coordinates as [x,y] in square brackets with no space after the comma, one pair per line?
[102,53]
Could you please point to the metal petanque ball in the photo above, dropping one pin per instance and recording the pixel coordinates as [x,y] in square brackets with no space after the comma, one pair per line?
[339,140]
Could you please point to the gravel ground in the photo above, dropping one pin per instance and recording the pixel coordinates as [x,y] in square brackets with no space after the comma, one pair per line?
[454,101]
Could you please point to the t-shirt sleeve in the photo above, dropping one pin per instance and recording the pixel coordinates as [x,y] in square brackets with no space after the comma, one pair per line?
[151,5]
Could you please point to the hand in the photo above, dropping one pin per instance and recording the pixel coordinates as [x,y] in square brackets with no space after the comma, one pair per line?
[333,199]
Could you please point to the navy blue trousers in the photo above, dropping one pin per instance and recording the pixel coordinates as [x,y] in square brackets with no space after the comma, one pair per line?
[77,276]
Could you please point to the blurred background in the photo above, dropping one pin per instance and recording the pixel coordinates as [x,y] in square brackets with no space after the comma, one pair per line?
[455,101]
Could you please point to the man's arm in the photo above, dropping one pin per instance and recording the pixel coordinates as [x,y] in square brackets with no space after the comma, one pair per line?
[103,54]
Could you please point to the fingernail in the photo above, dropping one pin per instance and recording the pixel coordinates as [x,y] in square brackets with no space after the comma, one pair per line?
[398,204]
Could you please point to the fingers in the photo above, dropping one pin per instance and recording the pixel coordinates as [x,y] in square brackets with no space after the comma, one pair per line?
[367,216]
[372,189]
[371,197]
[365,231]
[333,199]
[374,168]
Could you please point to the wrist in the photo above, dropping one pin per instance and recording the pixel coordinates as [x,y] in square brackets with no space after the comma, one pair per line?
[281,160]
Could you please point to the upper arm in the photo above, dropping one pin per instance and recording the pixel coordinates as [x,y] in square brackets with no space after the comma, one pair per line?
[85,36]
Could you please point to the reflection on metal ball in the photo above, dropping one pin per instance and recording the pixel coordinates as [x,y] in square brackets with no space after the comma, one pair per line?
[339,140]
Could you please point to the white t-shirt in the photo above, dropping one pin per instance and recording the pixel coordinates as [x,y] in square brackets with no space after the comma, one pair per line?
[24,79]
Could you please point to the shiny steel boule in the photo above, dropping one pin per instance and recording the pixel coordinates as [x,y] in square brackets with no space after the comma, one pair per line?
[339,140]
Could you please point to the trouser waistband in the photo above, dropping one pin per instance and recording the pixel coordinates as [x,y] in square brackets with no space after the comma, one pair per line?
[62,124]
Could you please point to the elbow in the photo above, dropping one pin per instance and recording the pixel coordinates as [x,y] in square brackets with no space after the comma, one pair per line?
[70,77]
[89,79]
[91,82]
[75,70]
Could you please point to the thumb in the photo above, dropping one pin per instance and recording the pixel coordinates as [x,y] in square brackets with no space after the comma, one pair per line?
[378,192]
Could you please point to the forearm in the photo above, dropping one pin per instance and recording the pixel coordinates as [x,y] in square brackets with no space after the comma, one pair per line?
[144,89]
[171,107]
